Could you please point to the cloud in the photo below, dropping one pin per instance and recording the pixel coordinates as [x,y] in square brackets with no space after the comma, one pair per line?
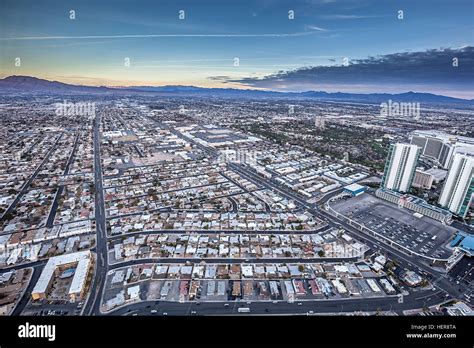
[219,78]
[428,70]
[146,36]
[345,17]
[314,27]
[320,2]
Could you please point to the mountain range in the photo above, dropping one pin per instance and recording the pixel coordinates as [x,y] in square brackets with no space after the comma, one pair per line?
[31,85]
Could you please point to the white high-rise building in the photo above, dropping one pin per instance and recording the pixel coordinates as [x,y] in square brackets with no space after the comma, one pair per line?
[441,147]
[458,190]
[319,122]
[400,167]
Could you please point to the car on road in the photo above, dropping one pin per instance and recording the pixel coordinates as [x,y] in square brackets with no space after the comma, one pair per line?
[153,311]
[164,313]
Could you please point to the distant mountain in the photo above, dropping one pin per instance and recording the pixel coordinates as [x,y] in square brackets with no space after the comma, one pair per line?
[29,84]
[33,85]
[384,97]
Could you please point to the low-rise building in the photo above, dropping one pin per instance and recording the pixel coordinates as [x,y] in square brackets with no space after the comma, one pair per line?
[82,261]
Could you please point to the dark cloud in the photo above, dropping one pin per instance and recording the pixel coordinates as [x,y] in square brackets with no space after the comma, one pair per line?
[219,78]
[431,68]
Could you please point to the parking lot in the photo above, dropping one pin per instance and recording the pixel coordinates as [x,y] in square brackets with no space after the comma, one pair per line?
[463,271]
[53,308]
[421,235]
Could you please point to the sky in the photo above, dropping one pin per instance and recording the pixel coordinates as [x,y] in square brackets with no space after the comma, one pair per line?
[333,45]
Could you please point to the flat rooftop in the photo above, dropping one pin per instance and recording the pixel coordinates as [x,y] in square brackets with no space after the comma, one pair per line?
[82,258]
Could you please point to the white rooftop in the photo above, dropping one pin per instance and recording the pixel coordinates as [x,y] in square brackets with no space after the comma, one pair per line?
[353,187]
[83,258]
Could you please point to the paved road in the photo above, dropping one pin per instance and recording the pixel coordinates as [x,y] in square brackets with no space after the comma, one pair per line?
[93,301]
[37,269]
[30,180]
[24,265]
[299,307]
[54,206]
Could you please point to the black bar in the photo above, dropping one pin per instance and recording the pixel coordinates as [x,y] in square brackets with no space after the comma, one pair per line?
[243,330]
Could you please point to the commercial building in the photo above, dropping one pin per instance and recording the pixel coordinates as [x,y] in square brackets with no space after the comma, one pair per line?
[440,147]
[400,167]
[354,189]
[422,180]
[81,261]
[458,190]
[437,173]
[459,309]
[464,242]
[416,204]
[411,278]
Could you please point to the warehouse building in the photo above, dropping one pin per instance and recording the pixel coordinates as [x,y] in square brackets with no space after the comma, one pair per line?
[465,242]
[354,189]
